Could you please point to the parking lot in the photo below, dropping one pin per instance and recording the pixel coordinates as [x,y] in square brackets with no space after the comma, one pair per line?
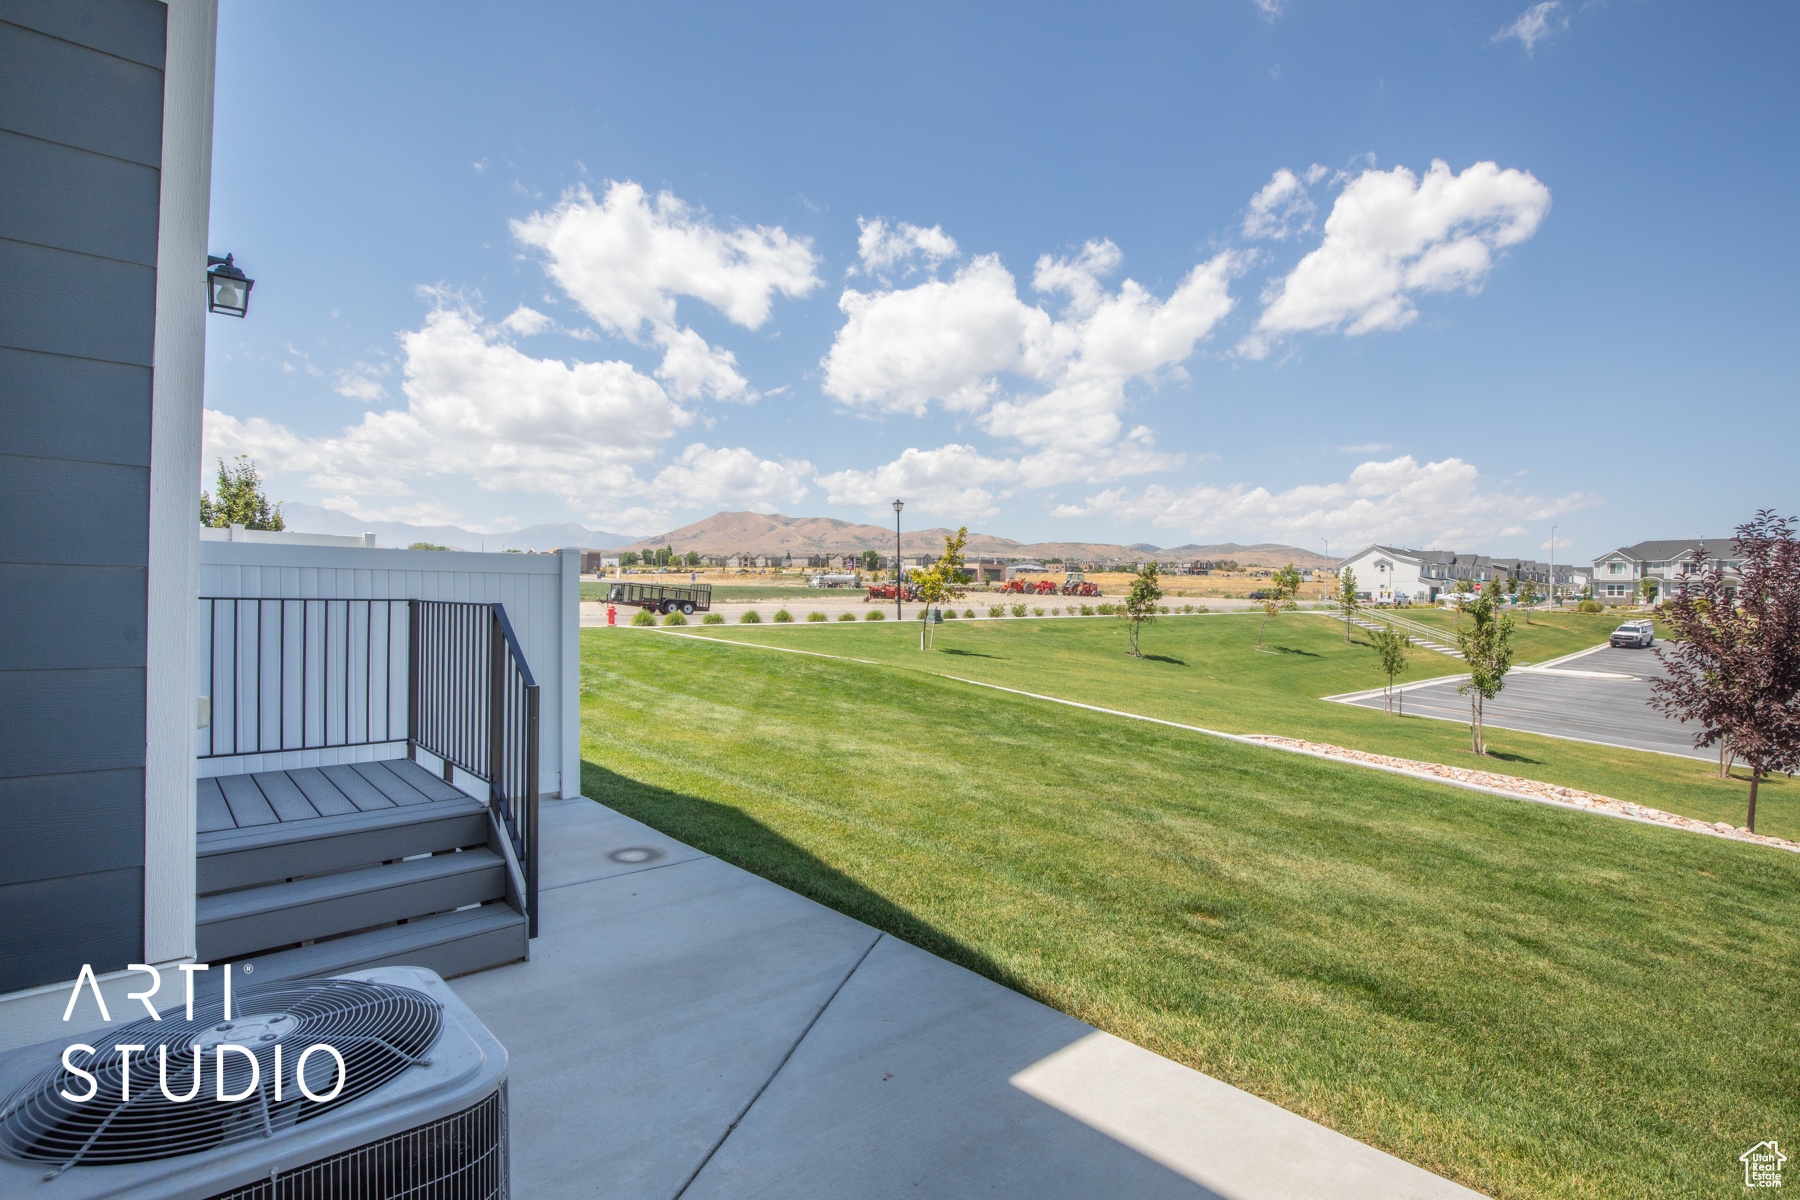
[1599,696]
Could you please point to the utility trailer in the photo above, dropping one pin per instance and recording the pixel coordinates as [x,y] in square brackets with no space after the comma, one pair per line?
[662,597]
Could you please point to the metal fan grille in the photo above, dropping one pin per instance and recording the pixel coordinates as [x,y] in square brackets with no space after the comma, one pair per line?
[459,1157]
[380,1030]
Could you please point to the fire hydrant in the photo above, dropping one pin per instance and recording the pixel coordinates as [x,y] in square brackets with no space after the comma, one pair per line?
[612,615]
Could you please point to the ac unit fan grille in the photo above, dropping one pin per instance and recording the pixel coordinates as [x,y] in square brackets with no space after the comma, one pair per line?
[379,1028]
[461,1157]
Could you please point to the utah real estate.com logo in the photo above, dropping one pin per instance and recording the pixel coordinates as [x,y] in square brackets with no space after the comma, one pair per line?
[1762,1165]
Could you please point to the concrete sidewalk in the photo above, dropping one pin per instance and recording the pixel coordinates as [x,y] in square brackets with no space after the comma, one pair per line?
[685,1028]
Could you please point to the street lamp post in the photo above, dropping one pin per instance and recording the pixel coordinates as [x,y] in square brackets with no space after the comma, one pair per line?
[898,612]
[1553,568]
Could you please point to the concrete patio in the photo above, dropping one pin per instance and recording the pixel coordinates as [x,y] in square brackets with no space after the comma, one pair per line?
[685,1028]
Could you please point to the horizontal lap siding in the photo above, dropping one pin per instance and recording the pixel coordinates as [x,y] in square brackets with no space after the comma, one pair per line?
[528,585]
[80,148]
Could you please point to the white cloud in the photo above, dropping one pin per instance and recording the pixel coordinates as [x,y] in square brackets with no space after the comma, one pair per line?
[1366,448]
[954,481]
[627,257]
[703,476]
[938,340]
[1270,9]
[1535,24]
[359,382]
[1391,234]
[881,246]
[478,407]
[950,342]
[692,368]
[1282,206]
[1399,501]
[526,321]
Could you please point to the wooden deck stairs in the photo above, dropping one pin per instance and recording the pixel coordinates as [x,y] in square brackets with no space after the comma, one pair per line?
[329,869]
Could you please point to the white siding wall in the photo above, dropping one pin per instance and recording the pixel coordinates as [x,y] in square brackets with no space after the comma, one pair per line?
[540,592]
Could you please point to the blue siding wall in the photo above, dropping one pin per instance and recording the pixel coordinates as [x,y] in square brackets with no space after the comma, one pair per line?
[80,147]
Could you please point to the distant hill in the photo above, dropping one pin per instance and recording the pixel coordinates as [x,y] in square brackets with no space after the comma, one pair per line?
[1263,554]
[310,518]
[773,533]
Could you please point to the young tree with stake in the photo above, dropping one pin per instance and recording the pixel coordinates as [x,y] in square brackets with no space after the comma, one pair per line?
[1347,599]
[940,582]
[1140,603]
[1394,648]
[1528,597]
[1277,595]
[1486,644]
[1735,670]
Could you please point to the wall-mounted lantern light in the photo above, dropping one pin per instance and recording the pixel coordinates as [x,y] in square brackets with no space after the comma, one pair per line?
[227,288]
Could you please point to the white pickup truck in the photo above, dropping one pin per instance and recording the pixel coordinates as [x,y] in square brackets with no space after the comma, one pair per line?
[1638,635]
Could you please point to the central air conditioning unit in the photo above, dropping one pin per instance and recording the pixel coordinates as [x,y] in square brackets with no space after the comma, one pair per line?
[421,1112]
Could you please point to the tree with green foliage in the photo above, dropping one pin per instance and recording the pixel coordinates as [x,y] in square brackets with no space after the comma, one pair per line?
[871,561]
[1140,603]
[692,558]
[1278,594]
[1348,599]
[1394,648]
[1459,591]
[1647,589]
[1528,596]
[426,546]
[240,499]
[628,559]
[940,582]
[1486,645]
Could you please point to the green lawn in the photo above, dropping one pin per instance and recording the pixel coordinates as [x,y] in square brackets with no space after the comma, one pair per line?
[1206,671]
[1533,1001]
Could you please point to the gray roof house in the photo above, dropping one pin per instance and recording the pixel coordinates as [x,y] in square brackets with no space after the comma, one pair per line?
[1619,575]
[1387,573]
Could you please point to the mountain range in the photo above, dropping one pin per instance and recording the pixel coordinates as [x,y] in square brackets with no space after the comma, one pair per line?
[310,518]
[773,533]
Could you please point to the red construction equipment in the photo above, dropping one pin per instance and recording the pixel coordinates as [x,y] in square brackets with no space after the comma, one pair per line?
[1076,585]
[885,591]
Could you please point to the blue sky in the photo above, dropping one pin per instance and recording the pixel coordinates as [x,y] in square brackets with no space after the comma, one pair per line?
[1159,273]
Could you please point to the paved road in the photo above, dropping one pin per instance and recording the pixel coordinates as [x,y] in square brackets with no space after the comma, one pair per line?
[1564,701]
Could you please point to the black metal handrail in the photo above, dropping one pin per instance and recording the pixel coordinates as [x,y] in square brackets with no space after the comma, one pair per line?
[443,676]
[489,725]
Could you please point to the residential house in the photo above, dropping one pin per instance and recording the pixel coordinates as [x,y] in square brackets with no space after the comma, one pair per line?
[1619,575]
[1385,574]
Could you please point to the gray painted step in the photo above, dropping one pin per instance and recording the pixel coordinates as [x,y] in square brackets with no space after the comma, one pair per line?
[238,858]
[233,925]
[452,943]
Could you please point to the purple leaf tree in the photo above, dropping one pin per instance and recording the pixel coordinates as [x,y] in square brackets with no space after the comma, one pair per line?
[1735,671]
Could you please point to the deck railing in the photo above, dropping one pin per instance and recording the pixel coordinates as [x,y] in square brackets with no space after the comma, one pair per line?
[445,677]
[475,705]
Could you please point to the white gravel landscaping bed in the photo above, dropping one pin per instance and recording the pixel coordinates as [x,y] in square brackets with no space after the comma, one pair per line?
[1533,789]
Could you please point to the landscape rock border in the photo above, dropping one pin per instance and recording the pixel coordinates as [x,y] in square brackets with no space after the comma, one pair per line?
[1531,788]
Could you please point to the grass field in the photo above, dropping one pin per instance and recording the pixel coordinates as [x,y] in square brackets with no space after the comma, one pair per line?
[1532,1001]
[1206,671]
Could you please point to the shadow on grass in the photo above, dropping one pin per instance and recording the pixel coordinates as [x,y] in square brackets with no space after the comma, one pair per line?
[1503,756]
[730,834]
[1164,658]
[964,653]
[1292,650]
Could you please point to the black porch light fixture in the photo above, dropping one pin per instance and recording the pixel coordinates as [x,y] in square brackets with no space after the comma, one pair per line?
[227,288]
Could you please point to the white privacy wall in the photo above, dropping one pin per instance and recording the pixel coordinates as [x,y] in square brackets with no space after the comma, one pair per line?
[541,593]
